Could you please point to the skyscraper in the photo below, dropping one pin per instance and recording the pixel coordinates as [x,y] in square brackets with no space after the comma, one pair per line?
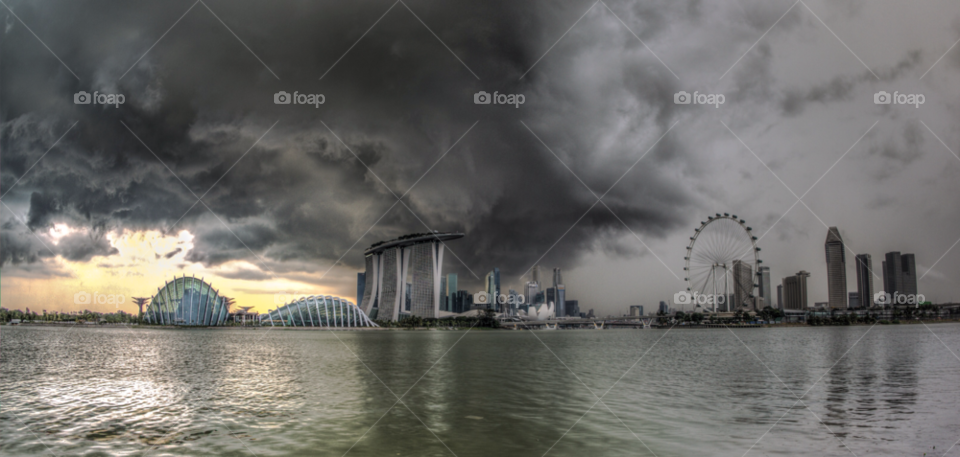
[908,274]
[451,291]
[493,288]
[561,293]
[765,292]
[836,269]
[780,296]
[536,275]
[892,279]
[742,285]
[443,294]
[900,273]
[530,291]
[795,291]
[864,267]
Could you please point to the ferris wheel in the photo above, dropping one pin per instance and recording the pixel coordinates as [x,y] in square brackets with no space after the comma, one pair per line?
[722,261]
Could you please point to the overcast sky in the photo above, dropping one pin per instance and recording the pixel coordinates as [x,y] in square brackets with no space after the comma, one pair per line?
[105,199]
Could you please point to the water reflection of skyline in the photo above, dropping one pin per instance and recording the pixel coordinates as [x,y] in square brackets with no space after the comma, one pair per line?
[701,391]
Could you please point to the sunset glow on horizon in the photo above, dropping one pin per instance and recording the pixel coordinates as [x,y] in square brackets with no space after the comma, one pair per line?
[144,261]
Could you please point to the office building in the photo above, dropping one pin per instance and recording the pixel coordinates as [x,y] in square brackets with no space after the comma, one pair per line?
[388,264]
[854,300]
[550,295]
[908,274]
[451,291]
[780,296]
[561,293]
[530,291]
[462,301]
[742,286]
[572,308]
[892,279]
[537,275]
[664,309]
[765,292]
[493,288]
[836,269]
[540,297]
[636,311]
[443,294]
[795,291]
[864,267]
[510,307]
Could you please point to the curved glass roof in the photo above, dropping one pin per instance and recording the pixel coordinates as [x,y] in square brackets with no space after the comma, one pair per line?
[318,311]
[186,301]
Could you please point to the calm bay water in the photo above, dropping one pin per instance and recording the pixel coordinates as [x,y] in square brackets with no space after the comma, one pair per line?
[116,391]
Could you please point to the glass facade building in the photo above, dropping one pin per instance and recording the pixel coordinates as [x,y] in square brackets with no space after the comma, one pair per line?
[317,311]
[186,301]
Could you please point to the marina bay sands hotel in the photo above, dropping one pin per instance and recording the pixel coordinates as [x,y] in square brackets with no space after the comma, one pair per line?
[387,268]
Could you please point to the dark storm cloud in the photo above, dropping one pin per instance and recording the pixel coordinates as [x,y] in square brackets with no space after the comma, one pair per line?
[83,247]
[17,248]
[399,100]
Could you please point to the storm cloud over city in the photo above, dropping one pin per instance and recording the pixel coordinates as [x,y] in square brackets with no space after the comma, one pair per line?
[186,158]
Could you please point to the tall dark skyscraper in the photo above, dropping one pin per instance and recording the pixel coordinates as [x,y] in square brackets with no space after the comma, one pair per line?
[764,279]
[451,291]
[864,267]
[443,294]
[561,293]
[908,274]
[892,279]
[779,296]
[493,288]
[836,269]
[900,273]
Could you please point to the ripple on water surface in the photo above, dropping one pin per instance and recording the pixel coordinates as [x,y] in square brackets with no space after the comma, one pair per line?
[117,391]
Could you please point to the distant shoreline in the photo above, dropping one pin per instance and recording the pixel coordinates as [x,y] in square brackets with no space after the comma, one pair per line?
[448,329]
